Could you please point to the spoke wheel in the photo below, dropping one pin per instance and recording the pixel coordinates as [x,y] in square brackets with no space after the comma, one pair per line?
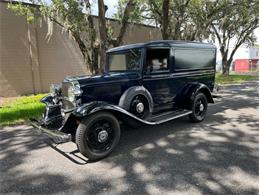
[98,135]
[139,107]
[199,108]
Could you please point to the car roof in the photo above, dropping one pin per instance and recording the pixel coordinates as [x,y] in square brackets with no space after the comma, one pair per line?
[163,43]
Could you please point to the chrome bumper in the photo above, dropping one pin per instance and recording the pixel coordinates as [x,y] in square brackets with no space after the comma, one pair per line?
[55,135]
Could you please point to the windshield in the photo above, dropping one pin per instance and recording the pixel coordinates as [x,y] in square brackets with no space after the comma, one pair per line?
[127,61]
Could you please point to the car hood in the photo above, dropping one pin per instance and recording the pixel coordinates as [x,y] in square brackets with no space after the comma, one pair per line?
[101,79]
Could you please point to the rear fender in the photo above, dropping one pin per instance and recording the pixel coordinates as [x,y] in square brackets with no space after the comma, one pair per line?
[202,88]
[189,92]
[129,94]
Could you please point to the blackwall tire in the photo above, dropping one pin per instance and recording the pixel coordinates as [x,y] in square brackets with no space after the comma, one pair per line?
[88,137]
[199,108]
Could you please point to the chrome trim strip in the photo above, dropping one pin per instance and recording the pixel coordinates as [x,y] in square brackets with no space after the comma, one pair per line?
[177,75]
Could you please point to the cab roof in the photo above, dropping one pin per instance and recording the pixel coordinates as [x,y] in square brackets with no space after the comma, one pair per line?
[163,43]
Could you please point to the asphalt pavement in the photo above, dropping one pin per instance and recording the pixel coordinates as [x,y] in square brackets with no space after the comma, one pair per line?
[217,156]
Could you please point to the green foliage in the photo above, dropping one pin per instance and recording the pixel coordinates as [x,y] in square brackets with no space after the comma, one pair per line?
[188,19]
[234,78]
[20,109]
[237,18]
[136,15]
[66,13]
[21,9]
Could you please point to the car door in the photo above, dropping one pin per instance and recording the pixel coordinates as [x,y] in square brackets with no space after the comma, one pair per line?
[157,78]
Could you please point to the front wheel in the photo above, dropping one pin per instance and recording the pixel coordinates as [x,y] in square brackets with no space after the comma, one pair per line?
[97,135]
[199,108]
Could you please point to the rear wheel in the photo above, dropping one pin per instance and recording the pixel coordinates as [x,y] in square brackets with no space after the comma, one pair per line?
[97,135]
[199,108]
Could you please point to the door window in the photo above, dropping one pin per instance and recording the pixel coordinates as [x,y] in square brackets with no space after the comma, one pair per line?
[157,60]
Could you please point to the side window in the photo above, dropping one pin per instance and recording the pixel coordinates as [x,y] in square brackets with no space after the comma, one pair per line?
[194,59]
[157,60]
[125,61]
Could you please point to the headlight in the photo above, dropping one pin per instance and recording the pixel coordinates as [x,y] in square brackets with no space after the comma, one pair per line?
[74,91]
[55,90]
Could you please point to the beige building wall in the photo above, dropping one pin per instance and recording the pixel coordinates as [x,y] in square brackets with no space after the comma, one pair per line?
[30,61]
[58,57]
[15,65]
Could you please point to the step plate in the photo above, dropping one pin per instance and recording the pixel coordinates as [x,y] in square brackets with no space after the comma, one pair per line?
[167,116]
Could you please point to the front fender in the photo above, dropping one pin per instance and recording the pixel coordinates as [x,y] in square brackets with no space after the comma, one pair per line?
[121,114]
[48,100]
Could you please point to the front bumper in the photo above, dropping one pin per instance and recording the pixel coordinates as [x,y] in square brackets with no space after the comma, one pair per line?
[55,135]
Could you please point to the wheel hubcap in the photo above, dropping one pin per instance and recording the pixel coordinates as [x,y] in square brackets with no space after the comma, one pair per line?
[140,107]
[102,136]
[201,107]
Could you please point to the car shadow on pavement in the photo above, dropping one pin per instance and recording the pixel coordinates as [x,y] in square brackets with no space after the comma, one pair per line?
[217,156]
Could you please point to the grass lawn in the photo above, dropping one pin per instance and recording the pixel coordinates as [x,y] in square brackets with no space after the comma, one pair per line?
[20,109]
[234,78]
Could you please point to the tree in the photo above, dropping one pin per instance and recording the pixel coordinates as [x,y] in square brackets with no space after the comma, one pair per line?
[177,19]
[135,14]
[236,22]
[75,18]
[159,10]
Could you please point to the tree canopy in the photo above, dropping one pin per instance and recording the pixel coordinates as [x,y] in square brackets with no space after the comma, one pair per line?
[236,22]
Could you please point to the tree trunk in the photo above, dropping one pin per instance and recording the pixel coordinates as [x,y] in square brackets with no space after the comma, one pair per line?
[165,19]
[95,60]
[129,7]
[102,33]
[225,67]
[225,63]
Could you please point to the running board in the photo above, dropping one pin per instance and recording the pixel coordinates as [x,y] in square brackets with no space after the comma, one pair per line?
[152,120]
[167,116]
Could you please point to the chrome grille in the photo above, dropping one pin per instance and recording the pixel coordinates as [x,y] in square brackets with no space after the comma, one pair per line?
[64,88]
[66,104]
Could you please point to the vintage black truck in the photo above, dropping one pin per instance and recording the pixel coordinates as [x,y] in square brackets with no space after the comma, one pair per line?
[143,84]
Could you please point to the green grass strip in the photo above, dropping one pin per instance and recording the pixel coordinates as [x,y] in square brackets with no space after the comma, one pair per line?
[234,78]
[18,110]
